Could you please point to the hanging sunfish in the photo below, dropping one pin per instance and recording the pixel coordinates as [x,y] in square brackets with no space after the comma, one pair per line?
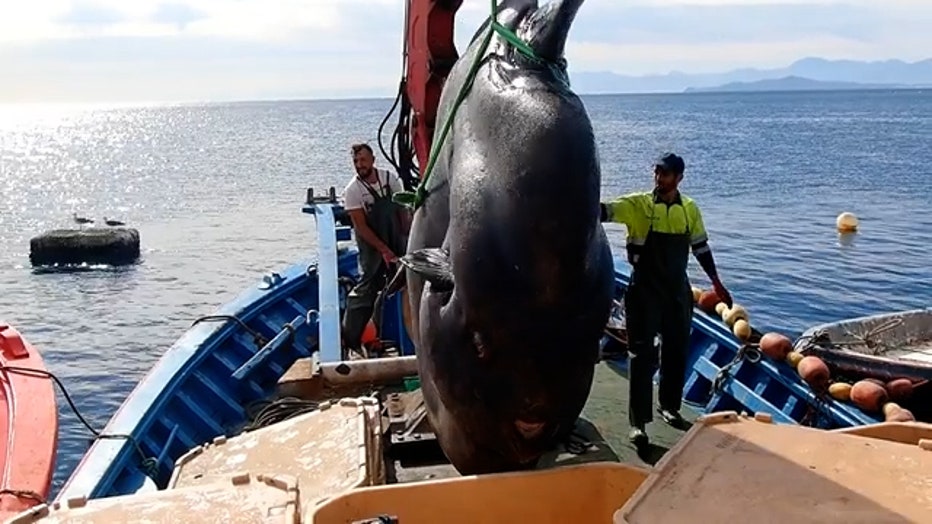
[509,272]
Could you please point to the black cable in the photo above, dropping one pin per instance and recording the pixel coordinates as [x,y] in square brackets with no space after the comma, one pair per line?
[148,463]
[278,410]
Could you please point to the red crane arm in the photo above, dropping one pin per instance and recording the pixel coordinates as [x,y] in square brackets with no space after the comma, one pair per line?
[431,54]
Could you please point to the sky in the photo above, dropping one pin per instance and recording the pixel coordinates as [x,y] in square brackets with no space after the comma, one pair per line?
[217,50]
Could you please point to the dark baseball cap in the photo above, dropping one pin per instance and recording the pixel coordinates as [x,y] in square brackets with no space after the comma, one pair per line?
[671,162]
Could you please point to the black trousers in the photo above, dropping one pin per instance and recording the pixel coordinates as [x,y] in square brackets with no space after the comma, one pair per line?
[649,311]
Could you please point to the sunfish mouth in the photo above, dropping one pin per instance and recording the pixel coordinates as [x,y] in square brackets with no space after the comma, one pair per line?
[529,430]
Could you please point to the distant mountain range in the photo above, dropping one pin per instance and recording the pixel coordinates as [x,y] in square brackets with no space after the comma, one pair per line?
[793,83]
[805,74]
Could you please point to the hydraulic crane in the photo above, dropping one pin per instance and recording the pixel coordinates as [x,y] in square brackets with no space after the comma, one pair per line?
[429,54]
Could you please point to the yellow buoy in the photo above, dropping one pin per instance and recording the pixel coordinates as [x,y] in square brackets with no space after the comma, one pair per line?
[846,222]
[741,329]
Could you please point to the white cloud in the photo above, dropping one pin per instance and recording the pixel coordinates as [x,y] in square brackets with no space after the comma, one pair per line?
[641,59]
[258,19]
[197,49]
[276,20]
[672,3]
[30,22]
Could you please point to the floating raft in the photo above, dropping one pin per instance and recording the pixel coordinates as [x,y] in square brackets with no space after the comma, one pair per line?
[114,246]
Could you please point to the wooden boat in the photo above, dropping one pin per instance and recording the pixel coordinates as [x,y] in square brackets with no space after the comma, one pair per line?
[886,346]
[209,382]
[28,425]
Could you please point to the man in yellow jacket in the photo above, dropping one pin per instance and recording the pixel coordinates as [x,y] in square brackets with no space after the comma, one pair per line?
[663,225]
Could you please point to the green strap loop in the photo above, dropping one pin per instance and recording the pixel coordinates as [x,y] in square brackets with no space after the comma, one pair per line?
[416,198]
[513,39]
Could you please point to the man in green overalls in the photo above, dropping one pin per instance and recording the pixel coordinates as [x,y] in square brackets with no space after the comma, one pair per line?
[662,225]
[381,228]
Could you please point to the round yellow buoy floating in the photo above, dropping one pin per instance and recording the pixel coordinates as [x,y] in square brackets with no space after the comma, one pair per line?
[846,223]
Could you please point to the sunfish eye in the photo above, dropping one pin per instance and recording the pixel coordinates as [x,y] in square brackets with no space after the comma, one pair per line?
[480,345]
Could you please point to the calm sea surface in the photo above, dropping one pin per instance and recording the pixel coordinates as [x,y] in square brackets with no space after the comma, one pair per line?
[216,192]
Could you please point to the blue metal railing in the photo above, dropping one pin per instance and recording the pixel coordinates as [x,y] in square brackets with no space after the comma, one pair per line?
[325,211]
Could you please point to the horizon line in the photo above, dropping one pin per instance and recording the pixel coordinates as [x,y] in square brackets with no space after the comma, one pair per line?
[685,90]
[376,98]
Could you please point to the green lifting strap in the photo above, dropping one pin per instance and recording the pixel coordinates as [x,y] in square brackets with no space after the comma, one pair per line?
[416,199]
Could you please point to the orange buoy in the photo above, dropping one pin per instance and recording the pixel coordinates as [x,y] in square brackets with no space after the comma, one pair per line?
[369,334]
[708,300]
[776,345]
[814,372]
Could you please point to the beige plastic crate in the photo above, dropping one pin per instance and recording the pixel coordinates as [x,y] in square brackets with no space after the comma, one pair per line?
[327,451]
[375,463]
[237,499]
[730,468]
[904,432]
[569,494]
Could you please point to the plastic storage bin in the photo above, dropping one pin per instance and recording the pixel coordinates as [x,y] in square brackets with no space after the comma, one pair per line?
[730,468]
[569,494]
[328,451]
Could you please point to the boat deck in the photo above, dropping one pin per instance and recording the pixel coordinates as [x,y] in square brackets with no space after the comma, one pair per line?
[607,410]
[601,432]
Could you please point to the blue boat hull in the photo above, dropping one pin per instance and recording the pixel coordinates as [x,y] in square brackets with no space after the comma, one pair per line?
[202,386]
[724,374]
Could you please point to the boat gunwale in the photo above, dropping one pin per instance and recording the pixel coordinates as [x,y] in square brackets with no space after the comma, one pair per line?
[172,368]
[718,331]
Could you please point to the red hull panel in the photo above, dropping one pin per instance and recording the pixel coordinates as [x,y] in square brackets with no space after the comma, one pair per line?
[28,425]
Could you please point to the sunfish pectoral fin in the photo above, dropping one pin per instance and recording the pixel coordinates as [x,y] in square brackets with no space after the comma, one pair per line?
[433,264]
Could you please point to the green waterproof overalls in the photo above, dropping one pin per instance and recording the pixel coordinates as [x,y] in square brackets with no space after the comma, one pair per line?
[658,300]
[383,218]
